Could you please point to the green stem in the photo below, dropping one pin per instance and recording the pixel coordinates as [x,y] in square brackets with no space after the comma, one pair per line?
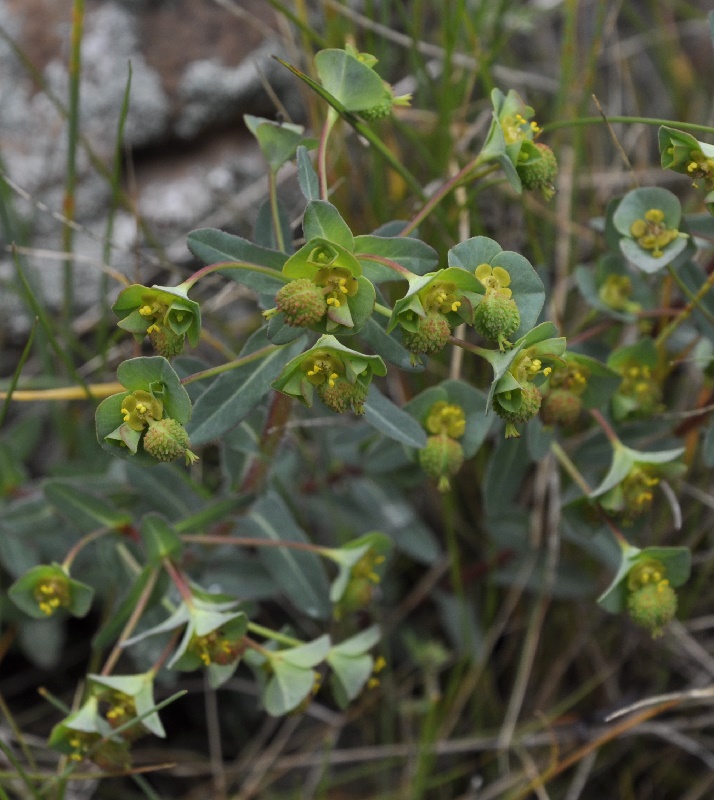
[20,772]
[685,313]
[383,310]
[131,623]
[267,633]
[387,262]
[689,294]
[275,211]
[245,541]
[445,188]
[179,580]
[237,362]
[471,348]
[82,543]
[68,205]
[574,472]
[574,123]
[16,375]
[221,265]
[566,463]
[607,429]
[330,119]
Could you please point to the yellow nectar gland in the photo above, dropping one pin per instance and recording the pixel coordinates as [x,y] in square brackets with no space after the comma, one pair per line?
[526,368]
[364,568]
[323,368]
[637,489]
[81,742]
[616,292]
[701,168]
[646,573]
[494,279]
[139,408]
[121,707]
[651,232]
[338,284]
[51,595]
[516,128]
[440,298]
[446,418]
[379,664]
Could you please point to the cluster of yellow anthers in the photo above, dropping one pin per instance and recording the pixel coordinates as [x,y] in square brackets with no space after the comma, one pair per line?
[637,381]
[323,368]
[446,418]
[121,707]
[364,568]
[379,664]
[526,368]
[51,595]
[637,489]
[339,284]
[616,291]
[494,279]
[650,572]
[139,407]
[81,742]
[516,128]
[701,167]
[441,297]
[214,648]
[651,233]
[155,310]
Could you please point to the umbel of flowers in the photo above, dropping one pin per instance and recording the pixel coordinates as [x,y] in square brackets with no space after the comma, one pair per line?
[340,376]
[163,313]
[443,456]
[522,402]
[562,402]
[46,589]
[146,421]
[432,306]
[510,141]
[327,291]
[644,585]
[497,316]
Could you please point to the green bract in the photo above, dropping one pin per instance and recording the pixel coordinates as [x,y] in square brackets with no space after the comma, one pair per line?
[352,665]
[338,275]
[85,734]
[161,310]
[525,286]
[459,394]
[683,153]
[628,486]
[154,393]
[349,77]
[648,221]
[278,140]
[640,391]
[360,568]
[288,677]
[676,561]
[213,636]
[327,366]
[511,133]
[450,292]
[45,589]
[126,697]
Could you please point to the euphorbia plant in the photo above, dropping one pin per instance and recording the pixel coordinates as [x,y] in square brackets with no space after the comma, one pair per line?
[351,315]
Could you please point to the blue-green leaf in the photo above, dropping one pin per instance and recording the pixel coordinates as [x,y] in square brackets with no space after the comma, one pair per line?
[300,574]
[235,393]
[390,420]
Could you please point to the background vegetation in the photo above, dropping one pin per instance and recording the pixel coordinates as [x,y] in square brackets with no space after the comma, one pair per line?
[500,667]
